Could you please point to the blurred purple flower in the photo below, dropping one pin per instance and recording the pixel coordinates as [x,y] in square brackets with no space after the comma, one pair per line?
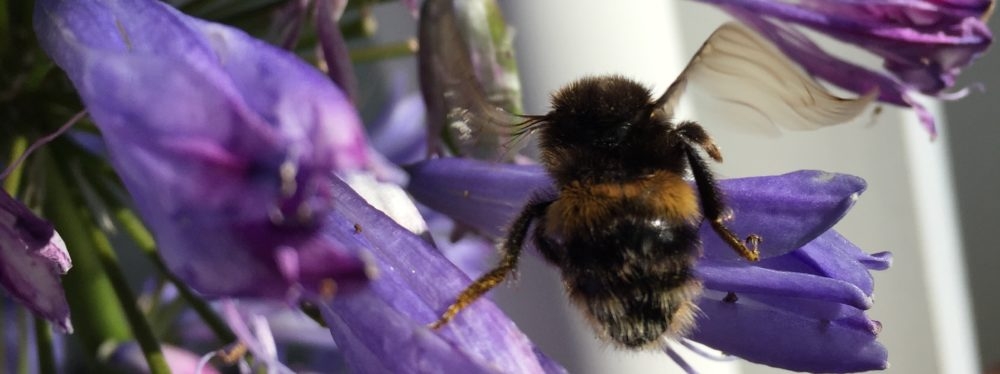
[924,44]
[226,144]
[806,297]
[127,357]
[32,259]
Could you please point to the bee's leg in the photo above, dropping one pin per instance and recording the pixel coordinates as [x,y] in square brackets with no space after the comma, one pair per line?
[693,133]
[511,249]
[549,249]
[712,204]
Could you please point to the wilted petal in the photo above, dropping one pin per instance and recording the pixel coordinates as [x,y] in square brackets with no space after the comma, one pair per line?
[415,283]
[32,259]
[225,143]
[927,55]
[924,44]
[790,340]
[832,69]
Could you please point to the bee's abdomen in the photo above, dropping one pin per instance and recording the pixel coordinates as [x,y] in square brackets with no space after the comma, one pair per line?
[634,278]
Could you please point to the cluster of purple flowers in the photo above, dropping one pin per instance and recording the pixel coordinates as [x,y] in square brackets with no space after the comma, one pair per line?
[235,154]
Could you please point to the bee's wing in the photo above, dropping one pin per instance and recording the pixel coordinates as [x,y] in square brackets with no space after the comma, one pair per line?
[447,78]
[738,66]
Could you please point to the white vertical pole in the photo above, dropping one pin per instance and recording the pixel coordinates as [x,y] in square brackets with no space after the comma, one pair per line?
[941,246]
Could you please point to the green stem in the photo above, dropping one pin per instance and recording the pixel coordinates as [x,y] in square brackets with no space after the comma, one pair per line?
[13,180]
[386,51]
[140,327]
[96,312]
[43,342]
[144,240]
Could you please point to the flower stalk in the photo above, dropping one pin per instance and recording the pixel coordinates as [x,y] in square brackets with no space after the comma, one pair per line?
[126,298]
[89,292]
[144,241]
[13,180]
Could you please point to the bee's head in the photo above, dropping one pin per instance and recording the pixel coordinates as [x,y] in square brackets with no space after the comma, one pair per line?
[601,112]
[599,120]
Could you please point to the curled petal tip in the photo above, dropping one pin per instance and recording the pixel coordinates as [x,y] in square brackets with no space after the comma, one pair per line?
[877,261]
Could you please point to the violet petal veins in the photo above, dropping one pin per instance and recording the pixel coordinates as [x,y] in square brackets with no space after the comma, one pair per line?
[414,284]
[225,143]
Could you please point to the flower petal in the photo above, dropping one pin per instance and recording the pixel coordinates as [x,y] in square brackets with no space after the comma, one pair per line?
[417,283]
[787,210]
[413,347]
[793,341]
[32,259]
[834,256]
[741,278]
[483,195]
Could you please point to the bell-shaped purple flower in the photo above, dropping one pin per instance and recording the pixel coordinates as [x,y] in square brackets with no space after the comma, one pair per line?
[226,144]
[924,44]
[806,297]
[32,259]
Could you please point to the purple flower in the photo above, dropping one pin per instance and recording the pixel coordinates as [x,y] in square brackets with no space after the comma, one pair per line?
[226,144]
[32,259]
[806,297]
[924,44]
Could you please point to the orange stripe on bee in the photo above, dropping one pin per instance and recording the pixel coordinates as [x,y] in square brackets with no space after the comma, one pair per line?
[582,205]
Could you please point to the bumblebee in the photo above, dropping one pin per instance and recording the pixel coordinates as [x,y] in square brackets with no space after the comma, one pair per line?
[623,229]
[623,225]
